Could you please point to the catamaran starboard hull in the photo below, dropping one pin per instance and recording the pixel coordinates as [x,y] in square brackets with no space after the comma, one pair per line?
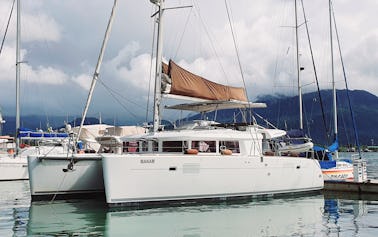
[132,179]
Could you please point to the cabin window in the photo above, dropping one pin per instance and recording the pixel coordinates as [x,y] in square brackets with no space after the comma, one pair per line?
[131,146]
[204,146]
[143,145]
[230,145]
[173,146]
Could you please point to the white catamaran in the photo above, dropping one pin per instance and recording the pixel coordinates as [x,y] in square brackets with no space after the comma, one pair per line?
[204,161]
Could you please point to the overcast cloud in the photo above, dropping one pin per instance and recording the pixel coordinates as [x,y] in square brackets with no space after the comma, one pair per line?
[61,41]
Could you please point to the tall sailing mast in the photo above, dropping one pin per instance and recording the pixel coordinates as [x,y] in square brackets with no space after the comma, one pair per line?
[333,77]
[98,66]
[298,69]
[18,64]
[159,49]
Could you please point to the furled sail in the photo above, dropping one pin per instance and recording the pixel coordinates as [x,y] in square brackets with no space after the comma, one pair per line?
[178,81]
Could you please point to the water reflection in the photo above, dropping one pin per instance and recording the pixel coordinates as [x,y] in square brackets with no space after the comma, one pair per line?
[350,214]
[272,217]
[62,218]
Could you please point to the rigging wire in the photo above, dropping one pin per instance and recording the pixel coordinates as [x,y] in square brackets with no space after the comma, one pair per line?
[346,84]
[6,29]
[315,73]
[183,33]
[113,93]
[236,48]
[151,65]
[210,39]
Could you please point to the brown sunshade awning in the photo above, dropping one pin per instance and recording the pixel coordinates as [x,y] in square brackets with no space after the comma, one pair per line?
[185,83]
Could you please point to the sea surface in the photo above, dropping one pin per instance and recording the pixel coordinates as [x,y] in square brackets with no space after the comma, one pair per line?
[321,214]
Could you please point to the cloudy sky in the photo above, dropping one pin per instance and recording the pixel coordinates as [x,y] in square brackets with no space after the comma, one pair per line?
[61,42]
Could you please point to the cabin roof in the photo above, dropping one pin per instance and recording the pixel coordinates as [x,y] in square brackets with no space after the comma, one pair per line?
[207,106]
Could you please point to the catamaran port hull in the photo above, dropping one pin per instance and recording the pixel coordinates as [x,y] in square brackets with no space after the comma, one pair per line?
[53,176]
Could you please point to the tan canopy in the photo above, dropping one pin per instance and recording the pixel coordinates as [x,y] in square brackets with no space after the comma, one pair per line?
[184,83]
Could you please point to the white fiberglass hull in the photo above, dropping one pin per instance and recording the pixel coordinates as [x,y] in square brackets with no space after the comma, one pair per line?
[147,178]
[49,175]
[13,168]
[342,171]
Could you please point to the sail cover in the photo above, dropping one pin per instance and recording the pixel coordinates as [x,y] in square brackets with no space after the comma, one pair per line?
[178,81]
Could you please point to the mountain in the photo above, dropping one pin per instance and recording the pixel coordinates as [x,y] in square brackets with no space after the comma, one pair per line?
[43,122]
[282,111]
[364,104]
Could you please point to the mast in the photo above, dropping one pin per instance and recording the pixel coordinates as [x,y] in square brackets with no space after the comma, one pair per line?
[333,76]
[97,70]
[18,64]
[298,69]
[159,49]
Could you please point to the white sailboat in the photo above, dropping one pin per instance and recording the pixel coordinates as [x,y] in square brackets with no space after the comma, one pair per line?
[13,164]
[296,141]
[205,161]
[332,167]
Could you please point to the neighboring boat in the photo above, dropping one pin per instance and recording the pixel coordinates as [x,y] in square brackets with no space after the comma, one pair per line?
[207,161]
[341,169]
[294,142]
[334,168]
[78,172]
[13,164]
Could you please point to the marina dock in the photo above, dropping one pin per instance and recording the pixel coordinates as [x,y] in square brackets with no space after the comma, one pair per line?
[367,187]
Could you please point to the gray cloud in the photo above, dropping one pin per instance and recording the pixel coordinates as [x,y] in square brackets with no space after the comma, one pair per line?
[62,39]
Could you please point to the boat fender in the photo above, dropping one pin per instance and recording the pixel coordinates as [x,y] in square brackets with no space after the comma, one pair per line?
[226,152]
[70,167]
[11,151]
[269,153]
[191,151]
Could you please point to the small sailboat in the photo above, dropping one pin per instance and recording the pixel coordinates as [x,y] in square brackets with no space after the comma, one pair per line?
[334,168]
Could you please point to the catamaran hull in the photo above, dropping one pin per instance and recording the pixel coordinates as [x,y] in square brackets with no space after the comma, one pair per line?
[131,179]
[13,168]
[50,176]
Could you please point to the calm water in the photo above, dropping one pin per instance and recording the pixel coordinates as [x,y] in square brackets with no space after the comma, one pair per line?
[312,215]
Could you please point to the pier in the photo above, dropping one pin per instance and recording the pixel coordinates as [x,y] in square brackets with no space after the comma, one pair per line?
[366,187]
[360,183]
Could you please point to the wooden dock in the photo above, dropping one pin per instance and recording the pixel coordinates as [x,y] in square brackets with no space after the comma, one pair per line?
[368,187]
